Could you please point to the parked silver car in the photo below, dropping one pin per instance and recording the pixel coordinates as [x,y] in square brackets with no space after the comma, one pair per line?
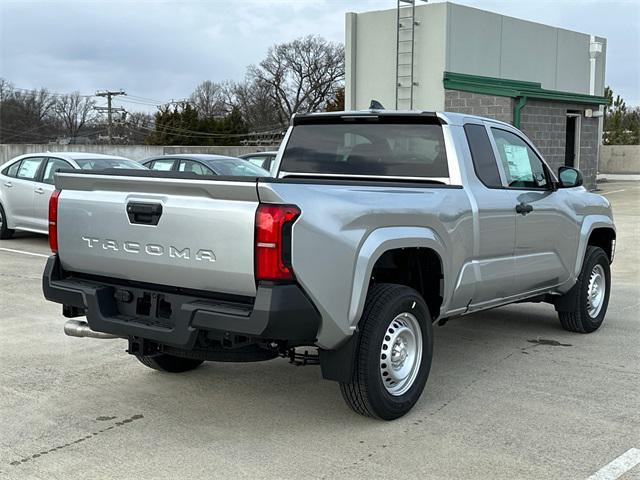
[205,164]
[26,183]
[264,160]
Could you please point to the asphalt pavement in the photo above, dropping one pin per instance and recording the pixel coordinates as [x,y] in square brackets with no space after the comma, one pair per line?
[511,395]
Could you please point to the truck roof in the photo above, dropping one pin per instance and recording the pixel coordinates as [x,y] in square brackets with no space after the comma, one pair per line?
[451,118]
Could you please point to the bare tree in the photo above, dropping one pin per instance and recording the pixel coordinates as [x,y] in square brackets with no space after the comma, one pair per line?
[74,111]
[137,126]
[6,89]
[256,104]
[25,115]
[37,104]
[212,99]
[302,75]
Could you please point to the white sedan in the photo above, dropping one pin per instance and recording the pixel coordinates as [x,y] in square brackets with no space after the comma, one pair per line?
[26,183]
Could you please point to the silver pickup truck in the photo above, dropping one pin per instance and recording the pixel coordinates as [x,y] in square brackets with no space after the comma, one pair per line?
[377,225]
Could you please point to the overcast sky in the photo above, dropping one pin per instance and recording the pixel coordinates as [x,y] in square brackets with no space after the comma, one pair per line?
[161,50]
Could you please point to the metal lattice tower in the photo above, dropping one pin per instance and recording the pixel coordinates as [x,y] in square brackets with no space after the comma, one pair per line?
[406,25]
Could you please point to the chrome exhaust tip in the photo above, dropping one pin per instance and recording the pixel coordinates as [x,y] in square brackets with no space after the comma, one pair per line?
[76,328]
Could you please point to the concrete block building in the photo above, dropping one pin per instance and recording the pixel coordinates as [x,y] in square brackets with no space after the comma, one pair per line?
[547,81]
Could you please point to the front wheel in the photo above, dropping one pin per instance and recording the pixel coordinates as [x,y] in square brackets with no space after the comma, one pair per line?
[589,297]
[394,352]
[5,233]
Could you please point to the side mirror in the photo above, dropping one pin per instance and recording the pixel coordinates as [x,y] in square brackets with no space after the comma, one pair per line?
[569,177]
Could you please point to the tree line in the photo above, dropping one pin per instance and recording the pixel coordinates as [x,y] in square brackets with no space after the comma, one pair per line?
[621,123]
[33,115]
[303,75]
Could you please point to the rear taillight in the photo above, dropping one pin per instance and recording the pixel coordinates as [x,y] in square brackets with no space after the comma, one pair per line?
[273,241]
[53,221]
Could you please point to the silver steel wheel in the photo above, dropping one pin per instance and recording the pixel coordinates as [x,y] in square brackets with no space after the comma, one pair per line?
[596,291]
[401,354]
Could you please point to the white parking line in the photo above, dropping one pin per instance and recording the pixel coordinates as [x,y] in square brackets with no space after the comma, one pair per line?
[621,190]
[617,467]
[11,250]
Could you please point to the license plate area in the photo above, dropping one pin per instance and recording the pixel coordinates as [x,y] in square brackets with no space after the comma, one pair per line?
[146,307]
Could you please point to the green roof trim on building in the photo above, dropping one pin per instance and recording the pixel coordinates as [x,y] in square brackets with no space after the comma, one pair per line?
[504,87]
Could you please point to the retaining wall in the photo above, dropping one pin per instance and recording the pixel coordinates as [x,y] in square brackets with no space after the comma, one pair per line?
[134,152]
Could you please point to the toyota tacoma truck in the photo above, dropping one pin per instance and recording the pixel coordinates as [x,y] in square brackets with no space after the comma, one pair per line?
[377,225]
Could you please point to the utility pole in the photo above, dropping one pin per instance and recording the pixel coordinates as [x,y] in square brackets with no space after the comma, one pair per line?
[109,94]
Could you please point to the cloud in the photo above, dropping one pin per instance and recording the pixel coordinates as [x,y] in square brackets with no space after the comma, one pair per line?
[162,50]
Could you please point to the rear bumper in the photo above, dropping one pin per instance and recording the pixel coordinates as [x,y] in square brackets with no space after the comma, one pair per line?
[279,312]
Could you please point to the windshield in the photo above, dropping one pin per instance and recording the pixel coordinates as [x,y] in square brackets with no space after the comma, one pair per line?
[236,167]
[388,149]
[104,163]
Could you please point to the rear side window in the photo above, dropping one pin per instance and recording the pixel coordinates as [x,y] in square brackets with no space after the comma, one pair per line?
[484,161]
[29,168]
[12,171]
[385,149]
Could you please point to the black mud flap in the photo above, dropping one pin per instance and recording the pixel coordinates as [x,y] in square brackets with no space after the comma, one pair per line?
[337,365]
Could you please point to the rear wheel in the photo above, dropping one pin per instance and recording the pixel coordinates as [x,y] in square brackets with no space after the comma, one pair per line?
[5,233]
[589,297]
[169,363]
[394,352]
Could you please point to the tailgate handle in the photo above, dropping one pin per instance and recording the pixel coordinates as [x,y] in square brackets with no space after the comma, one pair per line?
[144,213]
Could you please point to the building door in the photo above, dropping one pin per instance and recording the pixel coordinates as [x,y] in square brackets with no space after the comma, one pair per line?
[572,141]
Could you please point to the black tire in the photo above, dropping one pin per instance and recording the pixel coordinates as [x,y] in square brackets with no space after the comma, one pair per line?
[575,316]
[5,233]
[366,393]
[168,363]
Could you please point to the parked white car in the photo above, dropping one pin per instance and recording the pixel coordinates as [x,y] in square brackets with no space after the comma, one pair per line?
[26,183]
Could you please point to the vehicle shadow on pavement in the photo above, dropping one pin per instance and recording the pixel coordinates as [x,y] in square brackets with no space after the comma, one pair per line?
[289,394]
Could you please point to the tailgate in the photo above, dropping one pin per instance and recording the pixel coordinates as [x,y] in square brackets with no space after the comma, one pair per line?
[203,236]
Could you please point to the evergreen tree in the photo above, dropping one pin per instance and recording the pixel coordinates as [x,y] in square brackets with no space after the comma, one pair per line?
[621,124]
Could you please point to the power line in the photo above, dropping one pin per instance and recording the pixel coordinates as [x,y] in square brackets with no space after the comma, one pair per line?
[49,92]
[137,102]
[137,97]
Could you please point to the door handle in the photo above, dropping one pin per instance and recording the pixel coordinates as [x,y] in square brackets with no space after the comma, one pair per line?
[524,208]
[8,184]
[39,190]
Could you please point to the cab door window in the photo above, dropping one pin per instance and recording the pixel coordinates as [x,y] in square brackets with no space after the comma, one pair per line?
[522,166]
